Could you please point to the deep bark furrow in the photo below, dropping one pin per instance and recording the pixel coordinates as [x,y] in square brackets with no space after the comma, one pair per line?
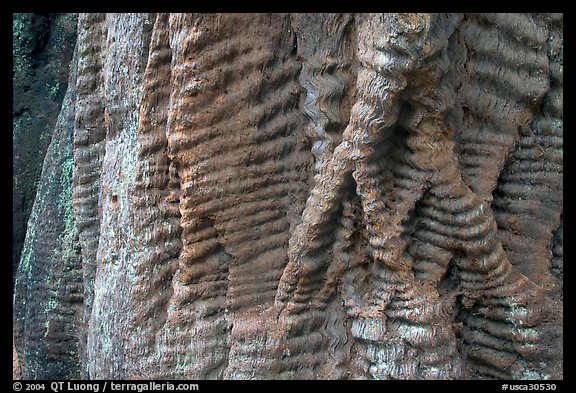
[503,88]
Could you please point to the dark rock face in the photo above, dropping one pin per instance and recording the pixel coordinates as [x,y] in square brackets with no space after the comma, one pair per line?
[42,50]
[301,196]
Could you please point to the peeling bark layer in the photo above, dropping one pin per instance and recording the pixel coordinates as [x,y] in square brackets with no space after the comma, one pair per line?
[334,196]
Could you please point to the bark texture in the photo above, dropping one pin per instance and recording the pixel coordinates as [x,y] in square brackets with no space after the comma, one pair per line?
[327,196]
[42,48]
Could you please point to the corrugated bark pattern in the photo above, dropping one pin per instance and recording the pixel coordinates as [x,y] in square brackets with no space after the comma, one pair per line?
[342,196]
[232,136]
[113,337]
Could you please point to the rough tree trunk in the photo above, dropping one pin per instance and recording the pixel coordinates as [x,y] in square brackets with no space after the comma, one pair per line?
[301,196]
[42,50]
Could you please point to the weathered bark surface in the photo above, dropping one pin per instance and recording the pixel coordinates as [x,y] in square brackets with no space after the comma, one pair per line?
[304,196]
[42,48]
[48,292]
[15,365]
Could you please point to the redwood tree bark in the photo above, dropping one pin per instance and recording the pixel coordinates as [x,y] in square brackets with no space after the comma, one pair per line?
[326,196]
